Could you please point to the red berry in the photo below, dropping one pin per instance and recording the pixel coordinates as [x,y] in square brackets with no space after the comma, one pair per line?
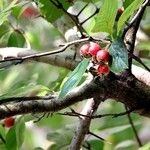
[30,12]
[102,55]
[94,48]
[84,50]
[9,122]
[103,69]
[120,11]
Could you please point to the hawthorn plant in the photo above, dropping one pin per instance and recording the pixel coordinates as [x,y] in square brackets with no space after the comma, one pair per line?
[74,74]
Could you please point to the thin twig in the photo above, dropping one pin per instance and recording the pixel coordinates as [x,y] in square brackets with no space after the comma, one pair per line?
[62,49]
[102,139]
[54,3]
[130,31]
[140,61]
[3,140]
[76,114]
[59,5]
[84,124]
[23,98]
[40,118]
[133,127]
[87,145]
[96,12]
[21,59]
[82,10]
[140,98]
[129,25]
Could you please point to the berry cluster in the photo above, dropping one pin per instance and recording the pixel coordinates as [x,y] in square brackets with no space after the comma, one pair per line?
[99,55]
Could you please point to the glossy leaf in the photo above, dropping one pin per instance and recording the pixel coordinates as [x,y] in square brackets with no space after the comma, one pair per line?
[127,13]
[74,78]
[50,11]
[119,56]
[16,39]
[106,17]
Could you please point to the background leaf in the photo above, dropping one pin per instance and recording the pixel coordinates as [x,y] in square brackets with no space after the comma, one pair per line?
[16,39]
[74,78]
[4,28]
[57,136]
[5,11]
[20,131]
[126,3]
[11,139]
[96,144]
[145,147]
[125,144]
[106,17]
[15,135]
[119,56]
[50,11]
[127,13]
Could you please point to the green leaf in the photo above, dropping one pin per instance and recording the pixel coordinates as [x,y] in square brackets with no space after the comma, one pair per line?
[106,17]
[38,148]
[4,28]
[127,13]
[16,39]
[74,78]
[50,11]
[2,132]
[15,135]
[57,136]
[52,122]
[117,129]
[2,4]
[11,139]
[3,17]
[20,131]
[6,11]
[96,144]
[125,144]
[145,147]
[126,3]
[119,55]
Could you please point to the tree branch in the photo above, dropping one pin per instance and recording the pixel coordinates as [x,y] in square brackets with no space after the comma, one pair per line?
[12,55]
[84,124]
[130,91]
[133,128]
[129,34]
[141,74]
